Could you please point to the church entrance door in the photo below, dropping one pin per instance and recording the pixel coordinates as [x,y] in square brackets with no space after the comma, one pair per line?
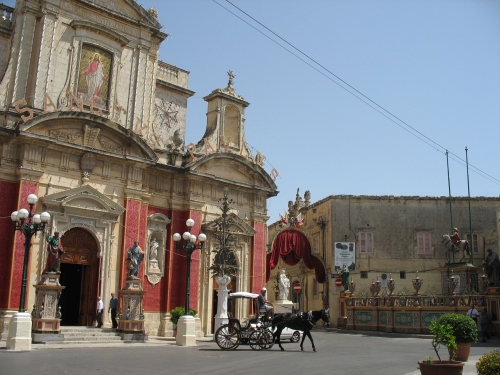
[80,275]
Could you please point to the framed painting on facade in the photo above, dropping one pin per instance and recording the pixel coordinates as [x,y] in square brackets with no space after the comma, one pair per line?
[94,76]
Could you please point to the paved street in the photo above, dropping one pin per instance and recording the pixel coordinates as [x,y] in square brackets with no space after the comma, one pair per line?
[338,353]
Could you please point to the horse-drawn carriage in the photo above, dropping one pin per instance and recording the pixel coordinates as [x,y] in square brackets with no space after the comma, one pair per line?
[259,333]
[254,331]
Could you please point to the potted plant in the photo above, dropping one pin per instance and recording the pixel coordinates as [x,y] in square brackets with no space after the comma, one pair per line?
[443,334]
[176,313]
[464,330]
[489,364]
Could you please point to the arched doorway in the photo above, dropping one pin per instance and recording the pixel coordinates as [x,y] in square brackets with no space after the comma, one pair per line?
[80,277]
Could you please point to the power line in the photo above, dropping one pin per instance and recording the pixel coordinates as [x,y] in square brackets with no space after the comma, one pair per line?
[365,99]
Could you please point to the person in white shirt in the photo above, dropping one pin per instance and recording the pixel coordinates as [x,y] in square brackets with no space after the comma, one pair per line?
[473,313]
[100,307]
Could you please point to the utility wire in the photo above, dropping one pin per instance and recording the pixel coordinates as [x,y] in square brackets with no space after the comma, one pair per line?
[369,102]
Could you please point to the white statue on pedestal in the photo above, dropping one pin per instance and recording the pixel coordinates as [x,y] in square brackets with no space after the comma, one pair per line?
[221,317]
[283,285]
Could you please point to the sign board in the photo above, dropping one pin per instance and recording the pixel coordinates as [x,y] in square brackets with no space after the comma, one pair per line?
[335,275]
[345,253]
[338,282]
[297,288]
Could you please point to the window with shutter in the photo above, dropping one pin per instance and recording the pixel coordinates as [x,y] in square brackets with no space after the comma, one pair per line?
[366,242]
[424,243]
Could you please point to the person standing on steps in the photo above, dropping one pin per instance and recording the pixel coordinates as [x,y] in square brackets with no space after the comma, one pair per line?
[113,305]
[100,307]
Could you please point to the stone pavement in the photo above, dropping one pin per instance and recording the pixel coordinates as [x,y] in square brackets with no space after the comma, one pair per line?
[469,369]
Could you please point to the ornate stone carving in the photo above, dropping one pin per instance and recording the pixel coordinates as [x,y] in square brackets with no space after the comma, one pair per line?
[90,136]
[65,137]
[109,146]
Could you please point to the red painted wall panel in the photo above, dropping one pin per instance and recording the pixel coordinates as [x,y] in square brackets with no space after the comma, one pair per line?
[131,233]
[177,287]
[9,192]
[259,254]
[195,263]
[26,189]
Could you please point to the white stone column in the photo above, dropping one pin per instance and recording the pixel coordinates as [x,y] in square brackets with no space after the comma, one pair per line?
[221,317]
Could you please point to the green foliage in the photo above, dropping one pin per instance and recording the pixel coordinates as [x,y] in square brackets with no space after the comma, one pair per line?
[464,327]
[176,313]
[489,364]
[443,334]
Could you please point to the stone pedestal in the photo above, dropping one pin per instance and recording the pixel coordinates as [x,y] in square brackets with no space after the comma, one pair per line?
[131,317]
[221,317]
[283,307]
[186,329]
[19,337]
[46,314]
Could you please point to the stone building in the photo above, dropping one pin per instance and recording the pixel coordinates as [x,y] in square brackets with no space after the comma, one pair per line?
[94,124]
[378,238]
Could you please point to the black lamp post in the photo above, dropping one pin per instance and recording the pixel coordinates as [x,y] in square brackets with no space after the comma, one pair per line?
[189,247]
[29,225]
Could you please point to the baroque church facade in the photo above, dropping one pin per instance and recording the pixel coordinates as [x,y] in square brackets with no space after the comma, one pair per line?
[94,124]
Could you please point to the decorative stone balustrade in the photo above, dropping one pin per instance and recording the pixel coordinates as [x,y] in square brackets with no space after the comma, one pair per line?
[6,16]
[171,74]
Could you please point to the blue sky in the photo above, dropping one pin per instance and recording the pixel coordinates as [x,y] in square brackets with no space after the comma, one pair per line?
[433,64]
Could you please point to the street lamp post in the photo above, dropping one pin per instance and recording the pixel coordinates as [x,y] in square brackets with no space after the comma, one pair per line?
[29,224]
[186,325]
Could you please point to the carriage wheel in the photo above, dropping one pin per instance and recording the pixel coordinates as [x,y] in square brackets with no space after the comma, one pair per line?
[254,340]
[266,339]
[227,337]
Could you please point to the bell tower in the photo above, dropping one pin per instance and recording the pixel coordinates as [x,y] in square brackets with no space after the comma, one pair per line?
[225,130]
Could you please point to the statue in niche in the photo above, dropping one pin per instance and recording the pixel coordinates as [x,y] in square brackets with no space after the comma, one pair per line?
[283,285]
[153,254]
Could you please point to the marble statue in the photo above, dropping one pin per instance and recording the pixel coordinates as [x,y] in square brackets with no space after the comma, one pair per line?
[153,253]
[283,285]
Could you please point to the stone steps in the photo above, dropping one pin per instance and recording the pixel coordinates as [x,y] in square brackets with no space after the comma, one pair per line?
[86,335]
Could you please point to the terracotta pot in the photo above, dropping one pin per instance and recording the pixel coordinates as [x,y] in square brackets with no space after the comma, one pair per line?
[463,350]
[441,367]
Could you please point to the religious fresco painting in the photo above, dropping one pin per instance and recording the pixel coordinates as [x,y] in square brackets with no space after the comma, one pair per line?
[94,78]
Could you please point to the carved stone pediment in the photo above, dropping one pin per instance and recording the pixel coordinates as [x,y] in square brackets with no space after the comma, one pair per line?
[127,9]
[234,168]
[236,225]
[83,198]
[82,130]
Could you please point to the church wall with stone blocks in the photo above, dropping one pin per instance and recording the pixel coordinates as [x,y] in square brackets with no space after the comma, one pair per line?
[94,124]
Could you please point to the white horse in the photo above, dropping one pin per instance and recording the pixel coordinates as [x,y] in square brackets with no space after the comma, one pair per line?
[453,248]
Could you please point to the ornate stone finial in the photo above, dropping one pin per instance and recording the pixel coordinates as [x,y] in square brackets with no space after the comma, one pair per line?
[307,198]
[231,75]
[153,12]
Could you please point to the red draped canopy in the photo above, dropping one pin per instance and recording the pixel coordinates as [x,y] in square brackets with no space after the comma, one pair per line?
[292,246]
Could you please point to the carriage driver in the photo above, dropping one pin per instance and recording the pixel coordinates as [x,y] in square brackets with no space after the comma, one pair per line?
[265,305]
[456,238]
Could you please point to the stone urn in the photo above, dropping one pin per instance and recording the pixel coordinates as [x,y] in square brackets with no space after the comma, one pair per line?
[441,367]
[391,285]
[417,284]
